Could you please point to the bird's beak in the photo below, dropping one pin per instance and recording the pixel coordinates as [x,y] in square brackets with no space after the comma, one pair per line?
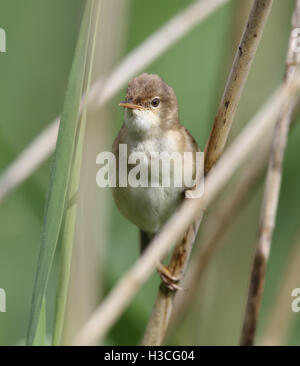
[130,105]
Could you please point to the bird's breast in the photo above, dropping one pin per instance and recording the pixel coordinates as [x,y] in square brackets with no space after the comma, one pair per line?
[150,206]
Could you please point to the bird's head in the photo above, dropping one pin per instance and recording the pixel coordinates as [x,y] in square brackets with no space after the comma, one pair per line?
[150,105]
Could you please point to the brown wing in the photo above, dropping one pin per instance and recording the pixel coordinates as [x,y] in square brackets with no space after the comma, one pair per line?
[191,145]
[191,139]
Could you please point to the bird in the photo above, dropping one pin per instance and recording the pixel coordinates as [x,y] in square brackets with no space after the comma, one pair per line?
[151,125]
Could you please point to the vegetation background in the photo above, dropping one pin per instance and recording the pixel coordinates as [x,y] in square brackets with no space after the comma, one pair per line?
[41,36]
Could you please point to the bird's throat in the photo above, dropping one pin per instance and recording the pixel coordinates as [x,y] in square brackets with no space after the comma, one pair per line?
[142,123]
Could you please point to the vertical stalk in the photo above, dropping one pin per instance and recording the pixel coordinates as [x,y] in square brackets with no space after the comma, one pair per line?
[271,195]
[70,219]
[160,316]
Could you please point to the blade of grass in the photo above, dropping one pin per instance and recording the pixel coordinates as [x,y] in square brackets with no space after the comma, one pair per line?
[40,335]
[59,175]
[70,221]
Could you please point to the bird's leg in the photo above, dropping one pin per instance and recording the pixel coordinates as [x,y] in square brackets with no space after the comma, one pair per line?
[179,255]
[170,281]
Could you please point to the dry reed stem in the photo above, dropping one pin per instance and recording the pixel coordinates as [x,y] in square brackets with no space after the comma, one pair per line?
[236,81]
[30,159]
[102,90]
[271,196]
[281,316]
[221,220]
[157,325]
[121,295]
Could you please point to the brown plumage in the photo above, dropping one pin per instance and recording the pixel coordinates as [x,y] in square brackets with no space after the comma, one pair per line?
[151,124]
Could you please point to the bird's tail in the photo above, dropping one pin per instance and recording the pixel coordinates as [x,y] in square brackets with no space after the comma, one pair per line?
[145,239]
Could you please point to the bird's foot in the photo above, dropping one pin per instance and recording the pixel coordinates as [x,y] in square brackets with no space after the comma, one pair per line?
[170,281]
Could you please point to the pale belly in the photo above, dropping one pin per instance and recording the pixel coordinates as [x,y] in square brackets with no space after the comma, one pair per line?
[148,208]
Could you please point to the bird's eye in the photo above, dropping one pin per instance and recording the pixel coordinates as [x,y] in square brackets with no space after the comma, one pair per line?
[155,102]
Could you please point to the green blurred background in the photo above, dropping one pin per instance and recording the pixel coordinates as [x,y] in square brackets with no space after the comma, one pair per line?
[41,36]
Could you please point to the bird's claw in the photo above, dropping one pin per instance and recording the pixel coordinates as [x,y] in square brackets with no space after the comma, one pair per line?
[170,281]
